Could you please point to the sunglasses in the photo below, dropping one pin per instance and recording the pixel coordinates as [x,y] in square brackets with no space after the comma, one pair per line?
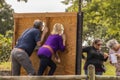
[98,44]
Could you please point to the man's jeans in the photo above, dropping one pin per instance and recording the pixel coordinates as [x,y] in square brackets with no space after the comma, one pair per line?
[20,58]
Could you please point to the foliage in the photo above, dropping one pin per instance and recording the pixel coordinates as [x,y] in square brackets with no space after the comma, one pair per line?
[5,66]
[101,18]
[5,46]
[6,17]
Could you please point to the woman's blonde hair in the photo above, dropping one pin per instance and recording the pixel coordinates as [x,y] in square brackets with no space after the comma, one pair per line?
[111,43]
[57,29]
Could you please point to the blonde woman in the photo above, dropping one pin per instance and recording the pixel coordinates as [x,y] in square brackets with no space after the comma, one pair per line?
[114,49]
[55,41]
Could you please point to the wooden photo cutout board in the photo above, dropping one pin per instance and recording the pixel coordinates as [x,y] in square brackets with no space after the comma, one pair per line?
[22,21]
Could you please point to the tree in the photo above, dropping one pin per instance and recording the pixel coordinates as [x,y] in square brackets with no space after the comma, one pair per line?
[101,18]
[6,17]
[6,26]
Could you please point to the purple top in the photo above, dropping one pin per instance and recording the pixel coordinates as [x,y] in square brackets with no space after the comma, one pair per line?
[55,42]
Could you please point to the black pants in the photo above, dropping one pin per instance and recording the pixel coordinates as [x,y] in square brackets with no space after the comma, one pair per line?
[44,62]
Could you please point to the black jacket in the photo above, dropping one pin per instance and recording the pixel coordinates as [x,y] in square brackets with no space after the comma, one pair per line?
[94,57]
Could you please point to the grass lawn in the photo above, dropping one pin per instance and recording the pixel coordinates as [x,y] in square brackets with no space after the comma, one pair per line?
[110,69]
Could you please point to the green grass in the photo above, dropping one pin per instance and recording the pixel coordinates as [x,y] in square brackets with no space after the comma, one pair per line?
[110,69]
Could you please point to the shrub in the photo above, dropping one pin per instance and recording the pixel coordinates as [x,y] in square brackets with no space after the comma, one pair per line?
[5,46]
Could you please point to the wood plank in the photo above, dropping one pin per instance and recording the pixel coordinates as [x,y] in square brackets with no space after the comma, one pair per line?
[23,15]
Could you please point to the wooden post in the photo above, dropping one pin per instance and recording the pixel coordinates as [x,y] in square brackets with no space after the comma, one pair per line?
[91,72]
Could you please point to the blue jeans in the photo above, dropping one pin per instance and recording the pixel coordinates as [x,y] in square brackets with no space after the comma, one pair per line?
[44,62]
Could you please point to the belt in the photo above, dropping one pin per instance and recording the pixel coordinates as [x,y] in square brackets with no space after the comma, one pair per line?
[19,49]
[47,46]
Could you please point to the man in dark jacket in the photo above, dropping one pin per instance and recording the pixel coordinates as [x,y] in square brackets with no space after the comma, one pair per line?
[25,46]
